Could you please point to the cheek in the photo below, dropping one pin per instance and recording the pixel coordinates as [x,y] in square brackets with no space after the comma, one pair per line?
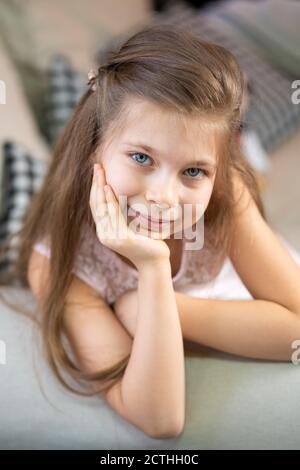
[203,195]
[206,195]
[122,180]
[201,200]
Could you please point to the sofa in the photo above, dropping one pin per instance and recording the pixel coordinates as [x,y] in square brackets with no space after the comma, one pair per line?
[232,402]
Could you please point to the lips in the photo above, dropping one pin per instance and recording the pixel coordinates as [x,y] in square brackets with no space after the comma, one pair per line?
[149,219]
[155,221]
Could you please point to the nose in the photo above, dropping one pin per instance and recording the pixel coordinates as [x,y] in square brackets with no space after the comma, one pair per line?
[163,196]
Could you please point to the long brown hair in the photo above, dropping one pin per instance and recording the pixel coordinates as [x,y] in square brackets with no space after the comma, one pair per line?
[176,70]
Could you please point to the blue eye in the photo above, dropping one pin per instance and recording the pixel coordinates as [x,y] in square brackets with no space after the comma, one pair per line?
[137,153]
[197,169]
[146,156]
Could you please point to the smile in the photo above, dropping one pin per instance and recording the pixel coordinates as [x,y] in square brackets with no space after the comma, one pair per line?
[147,220]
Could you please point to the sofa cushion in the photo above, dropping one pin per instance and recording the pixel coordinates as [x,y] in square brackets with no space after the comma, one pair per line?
[22,178]
[65,86]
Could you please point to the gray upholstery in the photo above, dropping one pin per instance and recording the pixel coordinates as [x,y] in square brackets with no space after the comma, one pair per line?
[231,402]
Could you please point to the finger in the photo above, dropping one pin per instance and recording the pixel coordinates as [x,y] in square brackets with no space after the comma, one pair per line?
[92,199]
[111,207]
[117,220]
[103,223]
[103,226]
[101,209]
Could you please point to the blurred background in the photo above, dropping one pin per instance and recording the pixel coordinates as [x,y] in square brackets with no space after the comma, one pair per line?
[47,49]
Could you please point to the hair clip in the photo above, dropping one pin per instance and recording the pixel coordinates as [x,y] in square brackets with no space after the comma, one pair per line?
[92,75]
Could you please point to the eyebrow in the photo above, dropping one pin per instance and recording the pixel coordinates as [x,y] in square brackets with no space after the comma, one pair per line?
[147,148]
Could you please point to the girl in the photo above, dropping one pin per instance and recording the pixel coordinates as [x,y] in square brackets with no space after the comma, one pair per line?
[158,124]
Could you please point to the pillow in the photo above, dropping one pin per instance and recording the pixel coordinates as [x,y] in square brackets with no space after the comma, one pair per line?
[271,113]
[65,86]
[22,176]
[271,27]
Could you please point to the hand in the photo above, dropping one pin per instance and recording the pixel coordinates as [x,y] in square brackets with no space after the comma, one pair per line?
[110,223]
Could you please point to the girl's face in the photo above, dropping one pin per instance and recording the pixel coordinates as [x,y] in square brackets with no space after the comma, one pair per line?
[161,158]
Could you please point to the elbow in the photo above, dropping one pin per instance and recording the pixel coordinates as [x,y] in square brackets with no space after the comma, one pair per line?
[173,430]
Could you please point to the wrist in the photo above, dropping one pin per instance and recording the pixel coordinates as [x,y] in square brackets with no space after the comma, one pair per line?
[161,265]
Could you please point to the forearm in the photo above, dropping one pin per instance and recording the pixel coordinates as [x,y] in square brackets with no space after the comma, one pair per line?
[253,328]
[153,385]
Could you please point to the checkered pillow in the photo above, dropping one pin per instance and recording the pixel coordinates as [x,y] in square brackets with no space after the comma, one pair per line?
[65,86]
[271,113]
[22,177]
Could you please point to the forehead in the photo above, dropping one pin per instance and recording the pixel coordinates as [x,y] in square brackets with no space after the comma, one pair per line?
[173,133]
